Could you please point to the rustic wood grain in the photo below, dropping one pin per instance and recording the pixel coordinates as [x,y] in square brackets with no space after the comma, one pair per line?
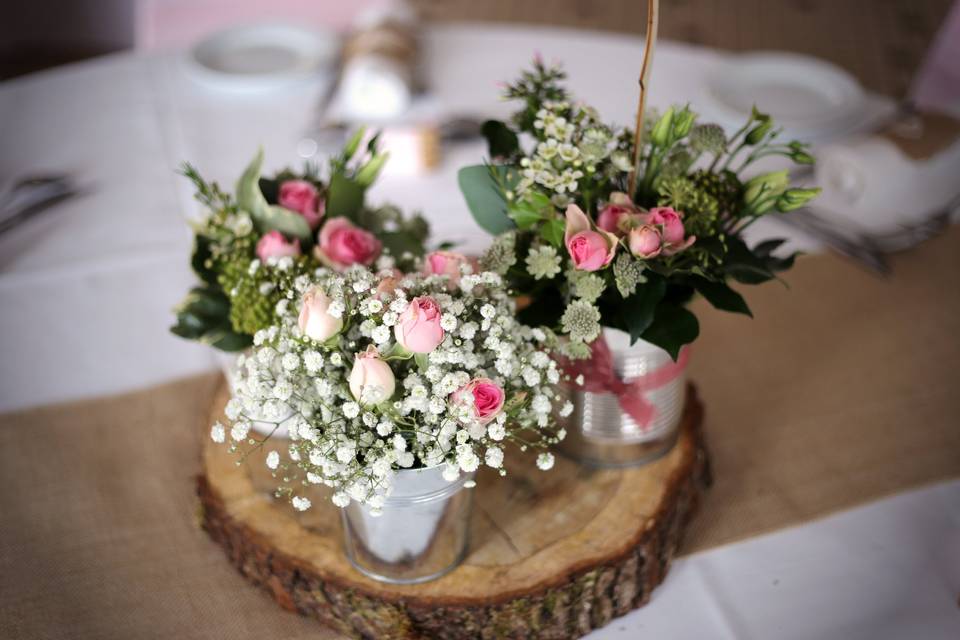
[882,42]
[553,555]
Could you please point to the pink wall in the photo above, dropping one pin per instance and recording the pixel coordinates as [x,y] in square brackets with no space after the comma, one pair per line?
[165,24]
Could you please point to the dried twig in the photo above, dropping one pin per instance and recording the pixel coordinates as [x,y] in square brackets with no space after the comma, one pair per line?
[653,18]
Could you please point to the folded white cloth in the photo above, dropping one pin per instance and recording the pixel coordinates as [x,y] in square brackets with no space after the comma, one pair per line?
[882,183]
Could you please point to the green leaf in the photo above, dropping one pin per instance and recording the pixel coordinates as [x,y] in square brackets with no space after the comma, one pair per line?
[198,260]
[767,247]
[637,312]
[524,216]
[227,340]
[743,266]
[481,188]
[422,361]
[552,231]
[502,142]
[721,296]
[268,217]
[368,173]
[350,148]
[400,242]
[344,197]
[672,327]
[207,302]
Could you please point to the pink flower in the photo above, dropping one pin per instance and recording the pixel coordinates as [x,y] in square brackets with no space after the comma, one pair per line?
[342,244]
[418,329]
[389,281]
[371,379]
[672,229]
[315,320]
[483,395]
[274,245]
[301,196]
[617,211]
[645,241]
[590,250]
[445,263]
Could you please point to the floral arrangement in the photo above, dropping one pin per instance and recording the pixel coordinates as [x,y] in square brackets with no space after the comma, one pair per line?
[375,371]
[602,226]
[275,229]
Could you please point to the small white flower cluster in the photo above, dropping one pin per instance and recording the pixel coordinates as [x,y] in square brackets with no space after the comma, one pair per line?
[423,372]
[572,143]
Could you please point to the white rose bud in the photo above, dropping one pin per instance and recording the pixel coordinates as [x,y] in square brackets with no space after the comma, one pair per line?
[315,319]
[371,380]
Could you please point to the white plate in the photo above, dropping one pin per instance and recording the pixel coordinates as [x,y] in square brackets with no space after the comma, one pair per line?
[810,98]
[264,56]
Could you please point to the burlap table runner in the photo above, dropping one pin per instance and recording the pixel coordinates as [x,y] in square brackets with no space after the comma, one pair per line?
[842,390]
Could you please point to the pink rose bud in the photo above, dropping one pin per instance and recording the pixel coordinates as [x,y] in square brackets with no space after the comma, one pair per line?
[342,244]
[445,263]
[645,241]
[301,196]
[315,320]
[418,329]
[274,245]
[613,216]
[371,379]
[672,229]
[484,396]
[671,223]
[590,250]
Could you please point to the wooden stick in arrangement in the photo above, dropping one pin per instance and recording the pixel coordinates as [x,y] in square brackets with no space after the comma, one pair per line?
[653,18]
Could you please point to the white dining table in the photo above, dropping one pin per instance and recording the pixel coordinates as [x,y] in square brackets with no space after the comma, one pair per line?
[87,291]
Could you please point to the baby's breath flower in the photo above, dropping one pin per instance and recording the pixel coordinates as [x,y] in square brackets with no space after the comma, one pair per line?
[273,460]
[217,433]
[545,461]
[300,503]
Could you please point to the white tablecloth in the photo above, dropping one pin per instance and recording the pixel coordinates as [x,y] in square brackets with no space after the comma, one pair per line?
[86,293]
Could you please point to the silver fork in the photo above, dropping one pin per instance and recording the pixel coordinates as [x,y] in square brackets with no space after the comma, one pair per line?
[32,195]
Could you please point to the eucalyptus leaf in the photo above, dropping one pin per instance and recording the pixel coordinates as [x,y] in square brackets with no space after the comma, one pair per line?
[481,188]
[265,216]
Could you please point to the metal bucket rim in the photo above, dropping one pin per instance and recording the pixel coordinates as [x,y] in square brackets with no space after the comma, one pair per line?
[431,496]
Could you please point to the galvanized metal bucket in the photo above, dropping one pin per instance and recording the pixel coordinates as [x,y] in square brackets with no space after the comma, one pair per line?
[421,533]
[601,434]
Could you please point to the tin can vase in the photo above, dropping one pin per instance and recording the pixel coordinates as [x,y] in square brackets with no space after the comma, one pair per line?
[601,431]
[421,533]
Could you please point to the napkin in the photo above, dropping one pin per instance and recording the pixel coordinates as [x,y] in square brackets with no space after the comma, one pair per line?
[892,179]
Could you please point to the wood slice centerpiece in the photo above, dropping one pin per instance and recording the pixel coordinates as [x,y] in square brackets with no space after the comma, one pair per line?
[552,554]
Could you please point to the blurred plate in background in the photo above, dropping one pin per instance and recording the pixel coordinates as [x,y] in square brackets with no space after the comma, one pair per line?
[810,98]
[263,57]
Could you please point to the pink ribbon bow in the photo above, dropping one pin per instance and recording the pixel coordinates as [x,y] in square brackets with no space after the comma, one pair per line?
[599,377]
